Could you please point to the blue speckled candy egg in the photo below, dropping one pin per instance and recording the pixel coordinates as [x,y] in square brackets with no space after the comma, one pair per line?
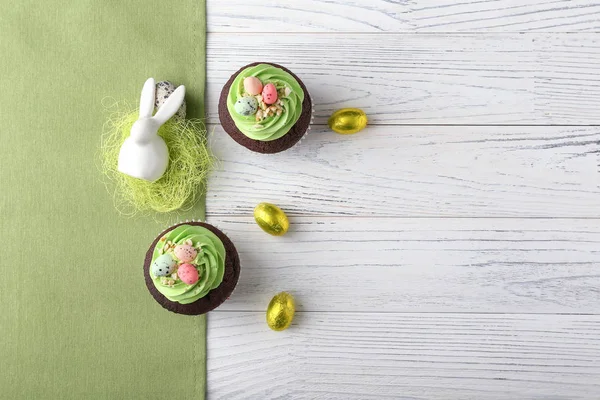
[246,106]
[163,265]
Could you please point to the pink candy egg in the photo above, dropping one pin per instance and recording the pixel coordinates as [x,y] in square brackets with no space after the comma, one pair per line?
[253,85]
[269,93]
[185,252]
[188,274]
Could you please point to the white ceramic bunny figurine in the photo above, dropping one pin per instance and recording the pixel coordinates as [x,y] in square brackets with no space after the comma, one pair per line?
[144,154]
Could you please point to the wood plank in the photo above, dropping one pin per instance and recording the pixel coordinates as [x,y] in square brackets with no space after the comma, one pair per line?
[422,264]
[416,171]
[490,79]
[404,356]
[402,16]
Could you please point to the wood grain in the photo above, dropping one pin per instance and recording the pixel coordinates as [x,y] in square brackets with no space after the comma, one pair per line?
[449,251]
[403,15]
[492,79]
[420,265]
[362,356]
[416,171]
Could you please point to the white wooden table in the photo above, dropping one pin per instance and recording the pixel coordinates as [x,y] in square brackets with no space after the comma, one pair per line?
[452,250]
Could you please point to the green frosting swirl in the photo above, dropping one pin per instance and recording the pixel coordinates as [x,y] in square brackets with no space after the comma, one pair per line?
[276,126]
[210,263]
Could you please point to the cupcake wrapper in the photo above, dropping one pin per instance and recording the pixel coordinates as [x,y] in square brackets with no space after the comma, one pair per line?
[308,130]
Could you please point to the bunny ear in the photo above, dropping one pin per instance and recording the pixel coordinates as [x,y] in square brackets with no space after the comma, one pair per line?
[147,99]
[171,105]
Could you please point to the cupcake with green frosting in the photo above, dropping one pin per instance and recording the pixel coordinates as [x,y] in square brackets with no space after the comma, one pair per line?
[191,268]
[265,107]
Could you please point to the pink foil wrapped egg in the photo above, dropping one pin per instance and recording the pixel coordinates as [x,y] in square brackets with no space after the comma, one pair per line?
[253,85]
[185,252]
[269,94]
[188,274]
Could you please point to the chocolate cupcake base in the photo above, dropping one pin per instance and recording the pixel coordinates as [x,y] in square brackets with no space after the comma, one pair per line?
[215,297]
[269,147]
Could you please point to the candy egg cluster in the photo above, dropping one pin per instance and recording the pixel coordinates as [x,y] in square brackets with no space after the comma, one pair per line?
[263,100]
[176,262]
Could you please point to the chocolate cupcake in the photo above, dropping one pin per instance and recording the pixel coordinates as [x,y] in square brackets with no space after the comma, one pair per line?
[191,268]
[265,107]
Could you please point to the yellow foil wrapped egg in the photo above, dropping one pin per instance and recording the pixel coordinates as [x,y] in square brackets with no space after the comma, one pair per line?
[280,311]
[348,121]
[271,219]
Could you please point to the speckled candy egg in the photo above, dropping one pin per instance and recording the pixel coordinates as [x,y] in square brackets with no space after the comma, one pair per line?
[188,274]
[185,252]
[163,90]
[163,265]
[269,94]
[253,85]
[246,106]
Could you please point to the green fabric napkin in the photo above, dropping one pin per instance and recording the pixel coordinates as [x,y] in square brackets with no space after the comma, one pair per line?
[76,320]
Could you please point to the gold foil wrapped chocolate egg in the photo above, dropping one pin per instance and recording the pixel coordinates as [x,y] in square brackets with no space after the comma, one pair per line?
[271,219]
[348,121]
[280,311]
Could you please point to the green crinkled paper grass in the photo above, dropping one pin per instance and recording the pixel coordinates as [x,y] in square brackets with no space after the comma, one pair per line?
[183,183]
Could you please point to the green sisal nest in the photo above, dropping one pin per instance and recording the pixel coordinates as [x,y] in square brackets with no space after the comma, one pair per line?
[183,183]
